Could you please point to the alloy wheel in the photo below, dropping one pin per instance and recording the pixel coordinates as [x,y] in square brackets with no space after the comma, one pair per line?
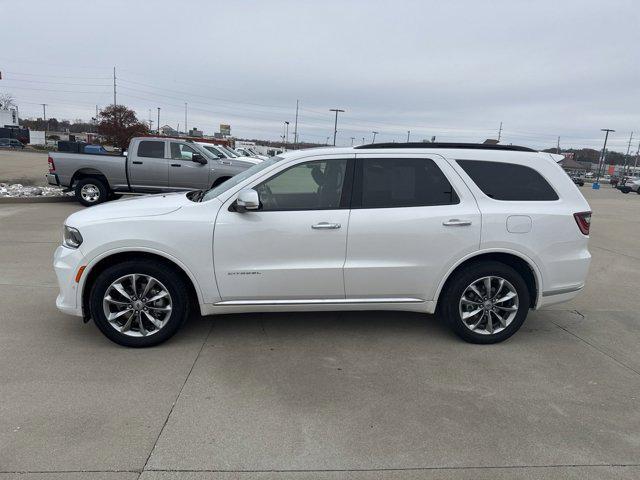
[137,305]
[90,193]
[488,305]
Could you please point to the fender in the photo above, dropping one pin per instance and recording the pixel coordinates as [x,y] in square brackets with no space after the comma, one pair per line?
[536,270]
[108,253]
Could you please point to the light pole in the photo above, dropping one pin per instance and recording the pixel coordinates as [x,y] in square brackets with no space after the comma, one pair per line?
[352,139]
[286,133]
[335,125]
[363,140]
[596,185]
[374,137]
[158,124]
[327,142]
[408,135]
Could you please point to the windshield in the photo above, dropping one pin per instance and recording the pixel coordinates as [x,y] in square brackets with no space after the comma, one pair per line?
[233,181]
[211,150]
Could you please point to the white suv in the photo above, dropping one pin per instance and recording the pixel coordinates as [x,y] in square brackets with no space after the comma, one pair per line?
[477,233]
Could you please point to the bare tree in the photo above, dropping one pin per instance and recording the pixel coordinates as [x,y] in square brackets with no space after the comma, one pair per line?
[7,101]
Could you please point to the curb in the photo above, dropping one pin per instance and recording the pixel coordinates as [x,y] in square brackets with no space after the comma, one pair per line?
[13,200]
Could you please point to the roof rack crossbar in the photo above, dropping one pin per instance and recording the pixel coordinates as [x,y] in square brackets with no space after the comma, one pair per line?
[469,146]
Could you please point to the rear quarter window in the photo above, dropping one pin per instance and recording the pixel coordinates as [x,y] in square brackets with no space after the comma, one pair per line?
[508,181]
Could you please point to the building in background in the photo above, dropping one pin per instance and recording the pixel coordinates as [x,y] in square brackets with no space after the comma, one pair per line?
[8,117]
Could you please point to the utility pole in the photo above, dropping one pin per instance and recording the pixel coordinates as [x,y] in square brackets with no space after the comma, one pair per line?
[408,135]
[500,132]
[352,139]
[558,148]
[158,124]
[335,126]
[626,157]
[295,128]
[374,137]
[186,131]
[44,118]
[114,87]
[602,156]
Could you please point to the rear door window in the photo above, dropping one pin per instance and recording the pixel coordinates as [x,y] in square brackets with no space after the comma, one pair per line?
[401,182]
[151,149]
[508,181]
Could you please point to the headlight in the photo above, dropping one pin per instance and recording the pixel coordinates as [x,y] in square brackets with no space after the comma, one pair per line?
[71,237]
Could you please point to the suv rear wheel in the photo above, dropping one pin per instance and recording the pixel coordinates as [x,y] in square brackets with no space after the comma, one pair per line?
[486,303]
[139,303]
[91,191]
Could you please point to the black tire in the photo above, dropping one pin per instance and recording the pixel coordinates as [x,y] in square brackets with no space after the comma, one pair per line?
[450,300]
[167,276]
[93,185]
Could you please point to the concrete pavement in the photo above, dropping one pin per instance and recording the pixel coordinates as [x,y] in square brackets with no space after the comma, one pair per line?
[362,395]
[27,167]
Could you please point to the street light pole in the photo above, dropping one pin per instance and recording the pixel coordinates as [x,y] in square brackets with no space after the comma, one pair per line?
[335,125]
[602,156]
[286,134]
[374,137]
[408,135]
[352,139]
[158,124]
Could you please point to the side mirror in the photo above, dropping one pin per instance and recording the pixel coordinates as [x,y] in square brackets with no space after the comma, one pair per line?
[247,200]
[198,158]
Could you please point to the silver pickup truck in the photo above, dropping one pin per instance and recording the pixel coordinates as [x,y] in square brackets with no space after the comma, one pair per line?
[152,165]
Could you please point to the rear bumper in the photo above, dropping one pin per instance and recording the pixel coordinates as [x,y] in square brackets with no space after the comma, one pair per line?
[66,263]
[52,179]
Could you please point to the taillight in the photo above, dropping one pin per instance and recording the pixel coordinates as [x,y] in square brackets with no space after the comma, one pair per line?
[52,167]
[583,219]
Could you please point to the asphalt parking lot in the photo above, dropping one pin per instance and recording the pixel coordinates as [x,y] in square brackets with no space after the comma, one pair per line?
[379,395]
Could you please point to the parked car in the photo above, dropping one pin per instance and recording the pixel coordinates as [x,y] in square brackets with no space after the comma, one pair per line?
[479,234]
[249,152]
[152,165]
[577,179]
[630,186]
[96,149]
[11,143]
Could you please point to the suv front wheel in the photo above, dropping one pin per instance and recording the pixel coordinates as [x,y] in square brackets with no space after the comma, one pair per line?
[139,303]
[486,302]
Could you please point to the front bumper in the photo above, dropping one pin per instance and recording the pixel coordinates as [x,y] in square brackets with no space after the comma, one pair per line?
[52,179]
[66,263]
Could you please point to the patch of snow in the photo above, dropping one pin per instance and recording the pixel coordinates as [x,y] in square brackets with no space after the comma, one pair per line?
[19,190]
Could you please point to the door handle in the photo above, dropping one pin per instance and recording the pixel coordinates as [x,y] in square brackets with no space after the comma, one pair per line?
[225,163]
[176,165]
[136,163]
[455,222]
[326,226]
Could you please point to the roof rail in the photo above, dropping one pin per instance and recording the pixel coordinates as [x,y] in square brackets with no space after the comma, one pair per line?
[470,146]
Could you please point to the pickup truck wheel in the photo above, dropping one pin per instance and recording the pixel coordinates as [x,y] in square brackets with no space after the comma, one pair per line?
[139,303]
[486,303]
[91,191]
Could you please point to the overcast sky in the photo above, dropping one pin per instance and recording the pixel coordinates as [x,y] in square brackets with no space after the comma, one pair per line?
[453,69]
